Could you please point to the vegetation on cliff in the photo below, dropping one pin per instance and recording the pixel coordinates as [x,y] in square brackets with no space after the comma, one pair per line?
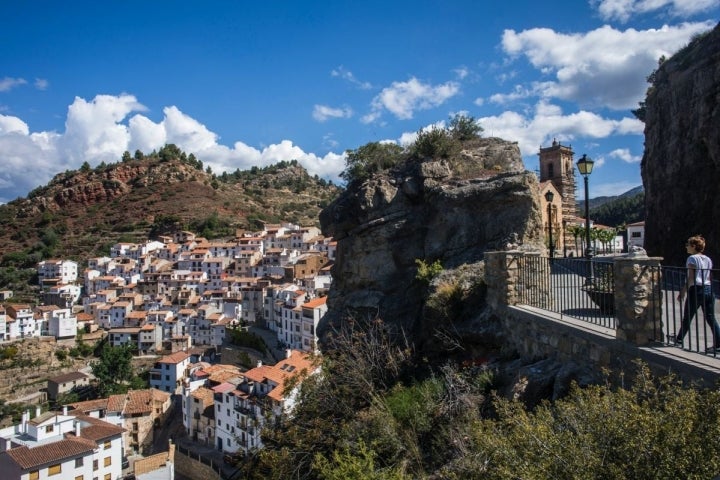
[379,412]
[435,142]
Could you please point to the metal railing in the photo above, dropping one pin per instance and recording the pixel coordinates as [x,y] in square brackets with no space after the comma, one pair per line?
[568,287]
[698,335]
[563,286]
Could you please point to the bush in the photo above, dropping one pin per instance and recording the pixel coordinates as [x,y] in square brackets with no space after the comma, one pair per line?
[427,271]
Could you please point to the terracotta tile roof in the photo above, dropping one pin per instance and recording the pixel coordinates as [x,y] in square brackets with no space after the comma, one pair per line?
[205,395]
[115,403]
[224,388]
[299,363]
[28,458]
[315,302]
[90,405]
[174,358]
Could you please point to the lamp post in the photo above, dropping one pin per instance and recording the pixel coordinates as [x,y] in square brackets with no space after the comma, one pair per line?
[585,166]
[564,224]
[549,198]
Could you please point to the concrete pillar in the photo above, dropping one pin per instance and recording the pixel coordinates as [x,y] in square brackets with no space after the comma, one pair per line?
[638,299]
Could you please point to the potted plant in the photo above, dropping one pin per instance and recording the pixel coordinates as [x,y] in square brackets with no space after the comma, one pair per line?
[602,289]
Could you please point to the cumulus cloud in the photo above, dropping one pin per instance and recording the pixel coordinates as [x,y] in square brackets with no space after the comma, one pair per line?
[623,10]
[322,113]
[8,83]
[103,128]
[548,121]
[625,155]
[604,67]
[402,99]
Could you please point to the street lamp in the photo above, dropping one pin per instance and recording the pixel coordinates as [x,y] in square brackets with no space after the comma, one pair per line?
[549,198]
[585,166]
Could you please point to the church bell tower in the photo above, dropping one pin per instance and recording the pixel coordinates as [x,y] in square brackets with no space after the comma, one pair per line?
[557,167]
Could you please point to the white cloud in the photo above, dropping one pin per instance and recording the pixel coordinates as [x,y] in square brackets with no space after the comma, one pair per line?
[41,84]
[623,10]
[341,72]
[548,121]
[604,67]
[462,72]
[402,99]
[8,83]
[13,125]
[625,155]
[322,113]
[95,132]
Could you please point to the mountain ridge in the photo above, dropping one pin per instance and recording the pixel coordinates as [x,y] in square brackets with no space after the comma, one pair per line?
[79,213]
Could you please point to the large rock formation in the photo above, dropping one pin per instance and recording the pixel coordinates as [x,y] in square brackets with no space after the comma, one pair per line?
[447,210]
[681,164]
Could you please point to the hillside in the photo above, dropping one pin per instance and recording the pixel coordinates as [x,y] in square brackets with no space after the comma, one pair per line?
[80,213]
[620,210]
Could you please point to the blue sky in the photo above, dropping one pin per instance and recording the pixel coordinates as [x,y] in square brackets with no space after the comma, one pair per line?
[252,83]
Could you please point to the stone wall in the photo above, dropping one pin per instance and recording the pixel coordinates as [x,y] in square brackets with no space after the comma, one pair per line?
[193,468]
[537,333]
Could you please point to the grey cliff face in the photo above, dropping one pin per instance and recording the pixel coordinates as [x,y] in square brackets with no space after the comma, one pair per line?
[448,210]
[681,163]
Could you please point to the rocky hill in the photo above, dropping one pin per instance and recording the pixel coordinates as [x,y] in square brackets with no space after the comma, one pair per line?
[446,210]
[681,164]
[82,212]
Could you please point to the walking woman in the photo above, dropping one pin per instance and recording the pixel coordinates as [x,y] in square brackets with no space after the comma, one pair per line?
[699,291]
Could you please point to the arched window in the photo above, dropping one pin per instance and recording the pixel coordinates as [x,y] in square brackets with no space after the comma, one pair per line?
[551,170]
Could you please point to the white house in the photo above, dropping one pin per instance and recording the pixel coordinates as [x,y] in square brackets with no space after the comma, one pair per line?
[243,405]
[636,234]
[57,271]
[61,323]
[25,325]
[311,313]
[168,373]
[61,445]
[3,324]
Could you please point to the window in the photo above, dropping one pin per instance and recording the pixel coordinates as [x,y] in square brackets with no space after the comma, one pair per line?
[107,461]
[107,445]
[108,476]
[34,475]
[79,477]
[635,234]
[54,469]
[49,428]
[78,462]
[95,465]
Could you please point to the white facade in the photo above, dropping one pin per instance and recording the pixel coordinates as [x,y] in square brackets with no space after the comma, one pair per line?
[61,271]
[54,445]
[243,405]
[62,323]
[168,373]
[636,234]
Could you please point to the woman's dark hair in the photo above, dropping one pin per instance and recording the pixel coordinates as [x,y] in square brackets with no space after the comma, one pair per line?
[697,242]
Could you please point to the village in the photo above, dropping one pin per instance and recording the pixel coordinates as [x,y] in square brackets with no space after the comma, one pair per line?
[175,301]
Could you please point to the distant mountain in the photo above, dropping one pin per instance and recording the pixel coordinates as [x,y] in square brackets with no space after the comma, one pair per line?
[82,212]
[597,201]
[618,210]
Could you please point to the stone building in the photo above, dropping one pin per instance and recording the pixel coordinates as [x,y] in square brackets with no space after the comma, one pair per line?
[557,167]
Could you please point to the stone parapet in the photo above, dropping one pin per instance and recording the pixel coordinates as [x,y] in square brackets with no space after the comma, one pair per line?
[638,299]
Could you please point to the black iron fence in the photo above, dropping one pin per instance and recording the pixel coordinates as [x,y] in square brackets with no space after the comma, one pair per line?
[696,310]
[568,287]
[585,290]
